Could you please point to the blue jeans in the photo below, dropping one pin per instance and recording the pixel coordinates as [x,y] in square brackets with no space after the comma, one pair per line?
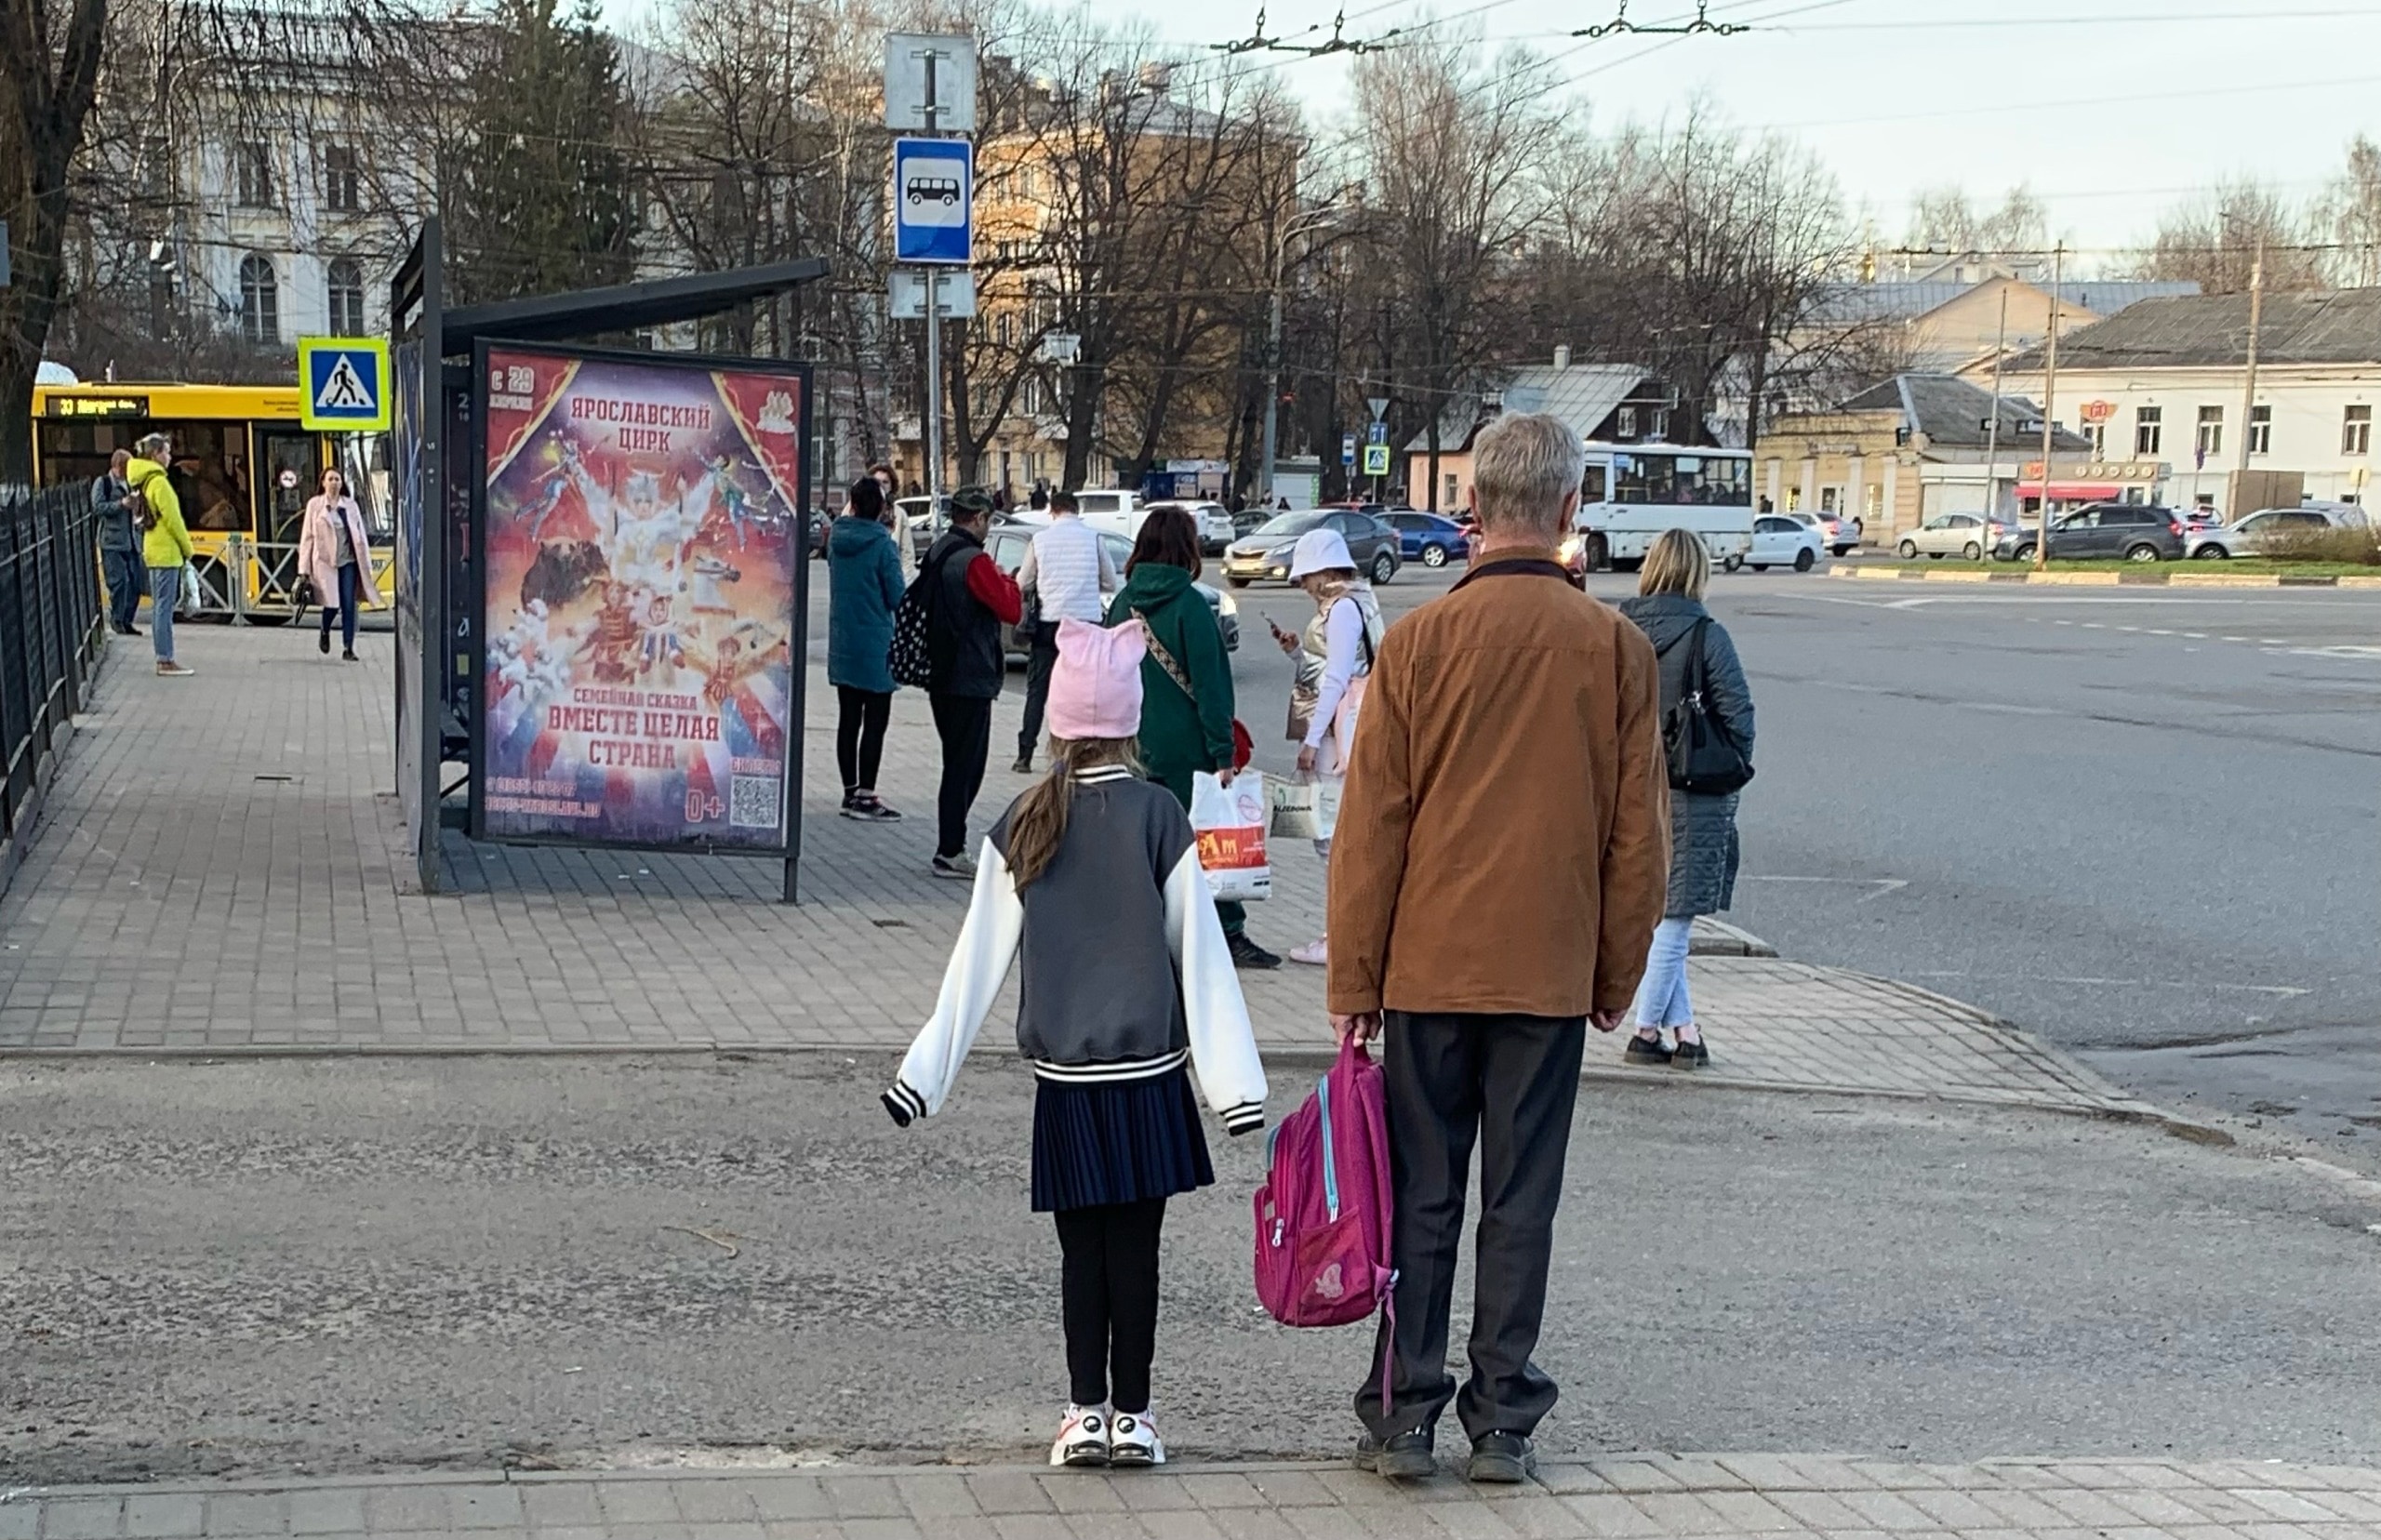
[1661,998]
[343,611]
[123,570]
[164,592]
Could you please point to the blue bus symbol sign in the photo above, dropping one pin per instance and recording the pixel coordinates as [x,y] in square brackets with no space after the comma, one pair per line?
[933,200]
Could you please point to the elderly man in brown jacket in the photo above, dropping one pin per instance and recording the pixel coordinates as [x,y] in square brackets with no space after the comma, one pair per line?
[1497,874]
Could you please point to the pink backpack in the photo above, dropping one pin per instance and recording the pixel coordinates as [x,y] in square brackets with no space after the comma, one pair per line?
[1323,1215]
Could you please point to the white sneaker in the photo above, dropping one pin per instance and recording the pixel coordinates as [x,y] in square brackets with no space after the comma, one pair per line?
[1314,954]
[1082,1438]
[1134,1440]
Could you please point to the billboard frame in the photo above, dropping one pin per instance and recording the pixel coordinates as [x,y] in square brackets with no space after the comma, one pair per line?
[798,539]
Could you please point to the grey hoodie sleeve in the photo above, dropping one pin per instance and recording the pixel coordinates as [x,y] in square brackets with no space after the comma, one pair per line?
[1731,696]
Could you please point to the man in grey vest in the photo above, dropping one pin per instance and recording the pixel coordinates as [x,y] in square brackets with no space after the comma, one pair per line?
[1066,576]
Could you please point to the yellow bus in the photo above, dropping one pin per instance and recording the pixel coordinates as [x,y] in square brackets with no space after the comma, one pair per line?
[242,465]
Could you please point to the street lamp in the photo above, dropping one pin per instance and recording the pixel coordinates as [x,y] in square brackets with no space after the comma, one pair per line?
[1306,224]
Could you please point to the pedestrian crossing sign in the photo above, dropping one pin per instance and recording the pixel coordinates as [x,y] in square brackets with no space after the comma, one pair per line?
[343,382]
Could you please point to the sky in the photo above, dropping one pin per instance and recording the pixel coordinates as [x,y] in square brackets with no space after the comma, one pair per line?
[2111,111]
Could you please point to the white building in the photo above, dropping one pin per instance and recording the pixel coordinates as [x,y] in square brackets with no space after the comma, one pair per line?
[2167,379]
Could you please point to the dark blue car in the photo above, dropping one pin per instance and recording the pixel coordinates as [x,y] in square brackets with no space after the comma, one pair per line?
[1427,538]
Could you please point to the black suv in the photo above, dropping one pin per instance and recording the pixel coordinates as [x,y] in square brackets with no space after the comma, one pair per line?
[2138,532]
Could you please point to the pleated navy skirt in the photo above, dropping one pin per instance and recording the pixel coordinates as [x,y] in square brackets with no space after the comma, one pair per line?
[1117,1142]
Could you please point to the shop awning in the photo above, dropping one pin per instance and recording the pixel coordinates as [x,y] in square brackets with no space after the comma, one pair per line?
[2072,491]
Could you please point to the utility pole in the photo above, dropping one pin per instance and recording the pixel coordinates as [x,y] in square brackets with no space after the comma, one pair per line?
[934,332]
[2248,391]
[1313,221]
[1992,434]
[2050,403]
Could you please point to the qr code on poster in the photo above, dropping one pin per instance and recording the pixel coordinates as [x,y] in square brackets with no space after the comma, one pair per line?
[752,801]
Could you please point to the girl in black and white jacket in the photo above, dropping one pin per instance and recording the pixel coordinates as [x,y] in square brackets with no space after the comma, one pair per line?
[1128,988]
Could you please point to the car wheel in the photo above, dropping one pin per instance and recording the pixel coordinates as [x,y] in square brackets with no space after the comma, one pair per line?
[1599,553]
[1805,559]
[1908,550]
[1731,563]
[1239,582]
[1842,550]
[1434,555]
[1760,566]
[2142,553]
[2024,553]
[1384,568]
[1972,551]
[2211,553]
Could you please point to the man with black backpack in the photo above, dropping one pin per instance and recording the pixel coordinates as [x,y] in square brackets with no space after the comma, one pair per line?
[113,503]
[966,598]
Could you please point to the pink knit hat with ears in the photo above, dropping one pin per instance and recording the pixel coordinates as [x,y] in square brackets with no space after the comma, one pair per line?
[1096,684]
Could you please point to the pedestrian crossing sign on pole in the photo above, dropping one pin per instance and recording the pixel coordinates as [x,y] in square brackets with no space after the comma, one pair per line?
[343,382]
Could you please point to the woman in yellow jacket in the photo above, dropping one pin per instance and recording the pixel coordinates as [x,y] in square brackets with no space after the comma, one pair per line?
[165,547]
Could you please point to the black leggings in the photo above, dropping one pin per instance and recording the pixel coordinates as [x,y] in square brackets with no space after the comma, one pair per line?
[860,734]
[1107,1289]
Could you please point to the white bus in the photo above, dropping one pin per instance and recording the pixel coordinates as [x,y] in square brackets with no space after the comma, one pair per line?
[1633,492]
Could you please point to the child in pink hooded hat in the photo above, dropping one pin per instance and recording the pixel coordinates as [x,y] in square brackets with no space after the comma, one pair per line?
[1128,990]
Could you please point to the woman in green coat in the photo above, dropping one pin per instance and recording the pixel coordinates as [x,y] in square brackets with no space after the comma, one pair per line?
[1186,681]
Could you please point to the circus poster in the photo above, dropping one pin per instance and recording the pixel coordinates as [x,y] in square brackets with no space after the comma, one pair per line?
[639,544]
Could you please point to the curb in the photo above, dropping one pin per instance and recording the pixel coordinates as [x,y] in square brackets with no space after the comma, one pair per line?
[2105,580]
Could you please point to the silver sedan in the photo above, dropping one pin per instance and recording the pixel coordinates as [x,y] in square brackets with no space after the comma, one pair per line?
[1953,535]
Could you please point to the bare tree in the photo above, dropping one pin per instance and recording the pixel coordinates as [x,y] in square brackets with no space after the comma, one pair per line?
[1943,219]
[2350,215]
[2215,241]
[49,71]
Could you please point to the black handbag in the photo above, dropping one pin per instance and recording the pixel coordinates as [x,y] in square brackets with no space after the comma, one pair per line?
[1703,757]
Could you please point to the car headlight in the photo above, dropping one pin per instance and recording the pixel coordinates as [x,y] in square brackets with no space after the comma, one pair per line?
[1226,603]
[1280,553]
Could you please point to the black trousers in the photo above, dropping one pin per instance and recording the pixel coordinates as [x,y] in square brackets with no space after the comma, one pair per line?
[127,581]
[1509,1081]
[1108,1294]
[860,716]
[965,724]
[1041,657]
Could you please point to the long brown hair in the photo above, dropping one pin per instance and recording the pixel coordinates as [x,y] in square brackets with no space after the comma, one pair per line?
[1167,537]
[1038,824]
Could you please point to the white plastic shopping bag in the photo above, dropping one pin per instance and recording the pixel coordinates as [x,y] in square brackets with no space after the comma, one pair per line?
[1229,821]
[1306,809]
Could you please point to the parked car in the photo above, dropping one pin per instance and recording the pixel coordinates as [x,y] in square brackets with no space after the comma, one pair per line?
[2200,516]
[1430,538]
[2249,537]
[1216,528]
[1105,508]
[1007,542]
[1954,534]
[927,517]
[2138,532]
[1779,540]
[1267,552]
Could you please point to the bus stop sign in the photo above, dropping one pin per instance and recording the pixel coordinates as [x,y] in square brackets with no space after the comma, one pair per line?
[342,383]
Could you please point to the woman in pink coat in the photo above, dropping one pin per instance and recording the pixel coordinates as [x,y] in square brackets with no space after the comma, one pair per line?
[333,556]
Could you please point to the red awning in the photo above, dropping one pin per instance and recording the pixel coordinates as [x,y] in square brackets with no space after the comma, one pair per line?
[2072,491]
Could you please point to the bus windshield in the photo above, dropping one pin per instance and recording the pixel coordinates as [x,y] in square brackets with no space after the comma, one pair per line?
[1691,479]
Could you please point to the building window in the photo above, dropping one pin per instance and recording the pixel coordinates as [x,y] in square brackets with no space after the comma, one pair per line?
[259,301]
[2211,431]
[2148,429]
[1033,398]
[342,189]
[2355,431]
[346,299]
[2261,430]
[1829,498]
[256,173]
[1661,425]
[1624,423]
[1004,330]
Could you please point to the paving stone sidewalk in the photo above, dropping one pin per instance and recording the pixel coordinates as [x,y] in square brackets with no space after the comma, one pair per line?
[219,873]
[1624,1497]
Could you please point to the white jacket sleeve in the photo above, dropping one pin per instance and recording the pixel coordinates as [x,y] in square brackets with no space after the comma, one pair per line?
[979,964]
[1223,1047]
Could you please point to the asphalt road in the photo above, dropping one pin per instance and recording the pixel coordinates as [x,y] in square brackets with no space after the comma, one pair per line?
[2146,824]
[271,1266]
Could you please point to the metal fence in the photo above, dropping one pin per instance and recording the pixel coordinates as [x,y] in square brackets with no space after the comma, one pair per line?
[51,629]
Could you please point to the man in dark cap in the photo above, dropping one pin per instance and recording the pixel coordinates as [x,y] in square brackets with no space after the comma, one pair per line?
[968,599]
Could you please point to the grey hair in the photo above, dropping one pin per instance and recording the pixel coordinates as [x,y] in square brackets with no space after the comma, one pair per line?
[1523,467]
[151,441]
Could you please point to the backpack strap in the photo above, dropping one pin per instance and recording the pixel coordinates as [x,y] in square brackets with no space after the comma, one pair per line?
[1165,659]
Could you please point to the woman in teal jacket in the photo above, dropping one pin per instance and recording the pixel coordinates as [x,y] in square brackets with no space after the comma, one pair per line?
[863,589]
[1186,727]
